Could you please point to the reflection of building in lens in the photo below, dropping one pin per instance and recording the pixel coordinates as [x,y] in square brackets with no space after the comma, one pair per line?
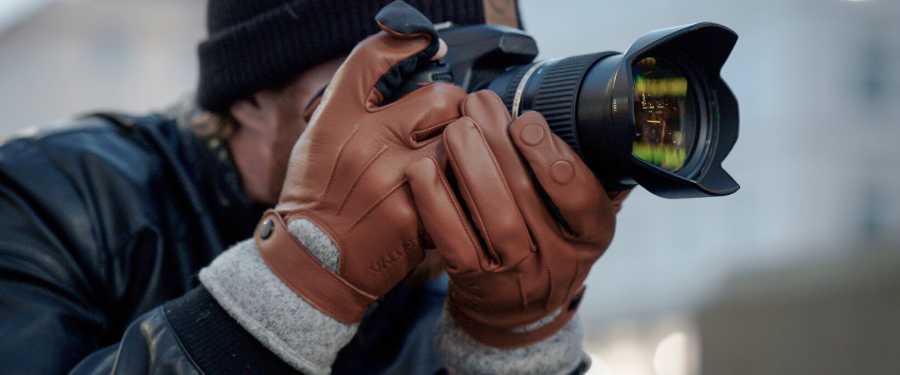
[658,136]
[658,97]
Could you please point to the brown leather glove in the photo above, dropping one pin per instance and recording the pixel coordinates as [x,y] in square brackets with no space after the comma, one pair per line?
[516,272]
[346,172]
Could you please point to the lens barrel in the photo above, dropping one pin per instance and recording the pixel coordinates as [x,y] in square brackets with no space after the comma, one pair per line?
[550,87]
[658,115]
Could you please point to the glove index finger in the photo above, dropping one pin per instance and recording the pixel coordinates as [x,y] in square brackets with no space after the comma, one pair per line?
[377,66]
[568,182]
[399,19]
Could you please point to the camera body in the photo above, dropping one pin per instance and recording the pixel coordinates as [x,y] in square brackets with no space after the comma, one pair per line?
[477,54]
[658,115]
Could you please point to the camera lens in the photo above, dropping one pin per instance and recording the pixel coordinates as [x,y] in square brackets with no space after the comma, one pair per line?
[658,115]
[664,125]
[553,88]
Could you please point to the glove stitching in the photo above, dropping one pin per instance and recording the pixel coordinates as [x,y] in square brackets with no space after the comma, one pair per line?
[577,274]
[522,292]
[337,159]
[549,288]
[527,141]
[374,205]
[554,176]
[540,322]
[359,177]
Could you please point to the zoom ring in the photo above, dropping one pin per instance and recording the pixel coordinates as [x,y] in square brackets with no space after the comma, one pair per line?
[557,95]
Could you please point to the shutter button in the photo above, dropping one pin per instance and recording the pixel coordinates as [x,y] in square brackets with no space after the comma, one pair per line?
[266,230]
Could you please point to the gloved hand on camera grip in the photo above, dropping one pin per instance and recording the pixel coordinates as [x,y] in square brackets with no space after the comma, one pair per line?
[346,172]
[516,273]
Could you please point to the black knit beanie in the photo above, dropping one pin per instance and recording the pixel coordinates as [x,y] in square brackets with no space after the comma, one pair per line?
[255,44]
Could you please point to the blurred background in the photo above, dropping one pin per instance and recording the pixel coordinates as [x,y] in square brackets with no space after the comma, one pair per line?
[796,273]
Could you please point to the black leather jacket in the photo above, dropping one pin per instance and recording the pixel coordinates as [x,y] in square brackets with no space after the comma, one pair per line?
[103,228]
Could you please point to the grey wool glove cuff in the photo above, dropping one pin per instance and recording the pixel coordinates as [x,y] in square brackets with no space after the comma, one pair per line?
[309,340]
[282,321]
[560,354]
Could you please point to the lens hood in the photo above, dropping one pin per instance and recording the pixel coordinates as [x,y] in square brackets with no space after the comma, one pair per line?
[606,123]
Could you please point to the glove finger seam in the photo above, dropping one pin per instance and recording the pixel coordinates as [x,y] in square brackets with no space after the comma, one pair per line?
[360,175]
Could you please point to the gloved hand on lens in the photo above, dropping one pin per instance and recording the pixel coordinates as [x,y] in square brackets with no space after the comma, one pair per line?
[516,272]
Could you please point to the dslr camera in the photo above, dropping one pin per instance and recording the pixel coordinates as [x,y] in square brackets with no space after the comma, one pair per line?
[658,115]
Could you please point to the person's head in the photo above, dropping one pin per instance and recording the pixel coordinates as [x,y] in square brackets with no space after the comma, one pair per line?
[264,60]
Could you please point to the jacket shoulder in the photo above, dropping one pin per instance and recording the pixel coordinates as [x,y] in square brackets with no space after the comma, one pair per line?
[82,240]
[79,146]
[77,172]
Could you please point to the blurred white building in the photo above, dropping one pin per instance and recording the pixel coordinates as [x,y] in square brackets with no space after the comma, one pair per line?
[70,57]
[817,160]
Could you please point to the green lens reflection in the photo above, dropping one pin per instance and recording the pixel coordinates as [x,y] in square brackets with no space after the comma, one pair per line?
[661,136]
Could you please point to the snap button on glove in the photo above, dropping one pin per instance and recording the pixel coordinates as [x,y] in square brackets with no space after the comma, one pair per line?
[516,273]
[346,172]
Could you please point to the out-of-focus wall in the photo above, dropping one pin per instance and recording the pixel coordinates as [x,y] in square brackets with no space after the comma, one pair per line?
[816,154]
[824,317]
[69,57]
[816,159]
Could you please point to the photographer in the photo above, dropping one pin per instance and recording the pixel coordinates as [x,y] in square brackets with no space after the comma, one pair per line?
[107,224]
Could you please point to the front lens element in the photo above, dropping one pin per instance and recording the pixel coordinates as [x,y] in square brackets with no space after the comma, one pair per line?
[662,134]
